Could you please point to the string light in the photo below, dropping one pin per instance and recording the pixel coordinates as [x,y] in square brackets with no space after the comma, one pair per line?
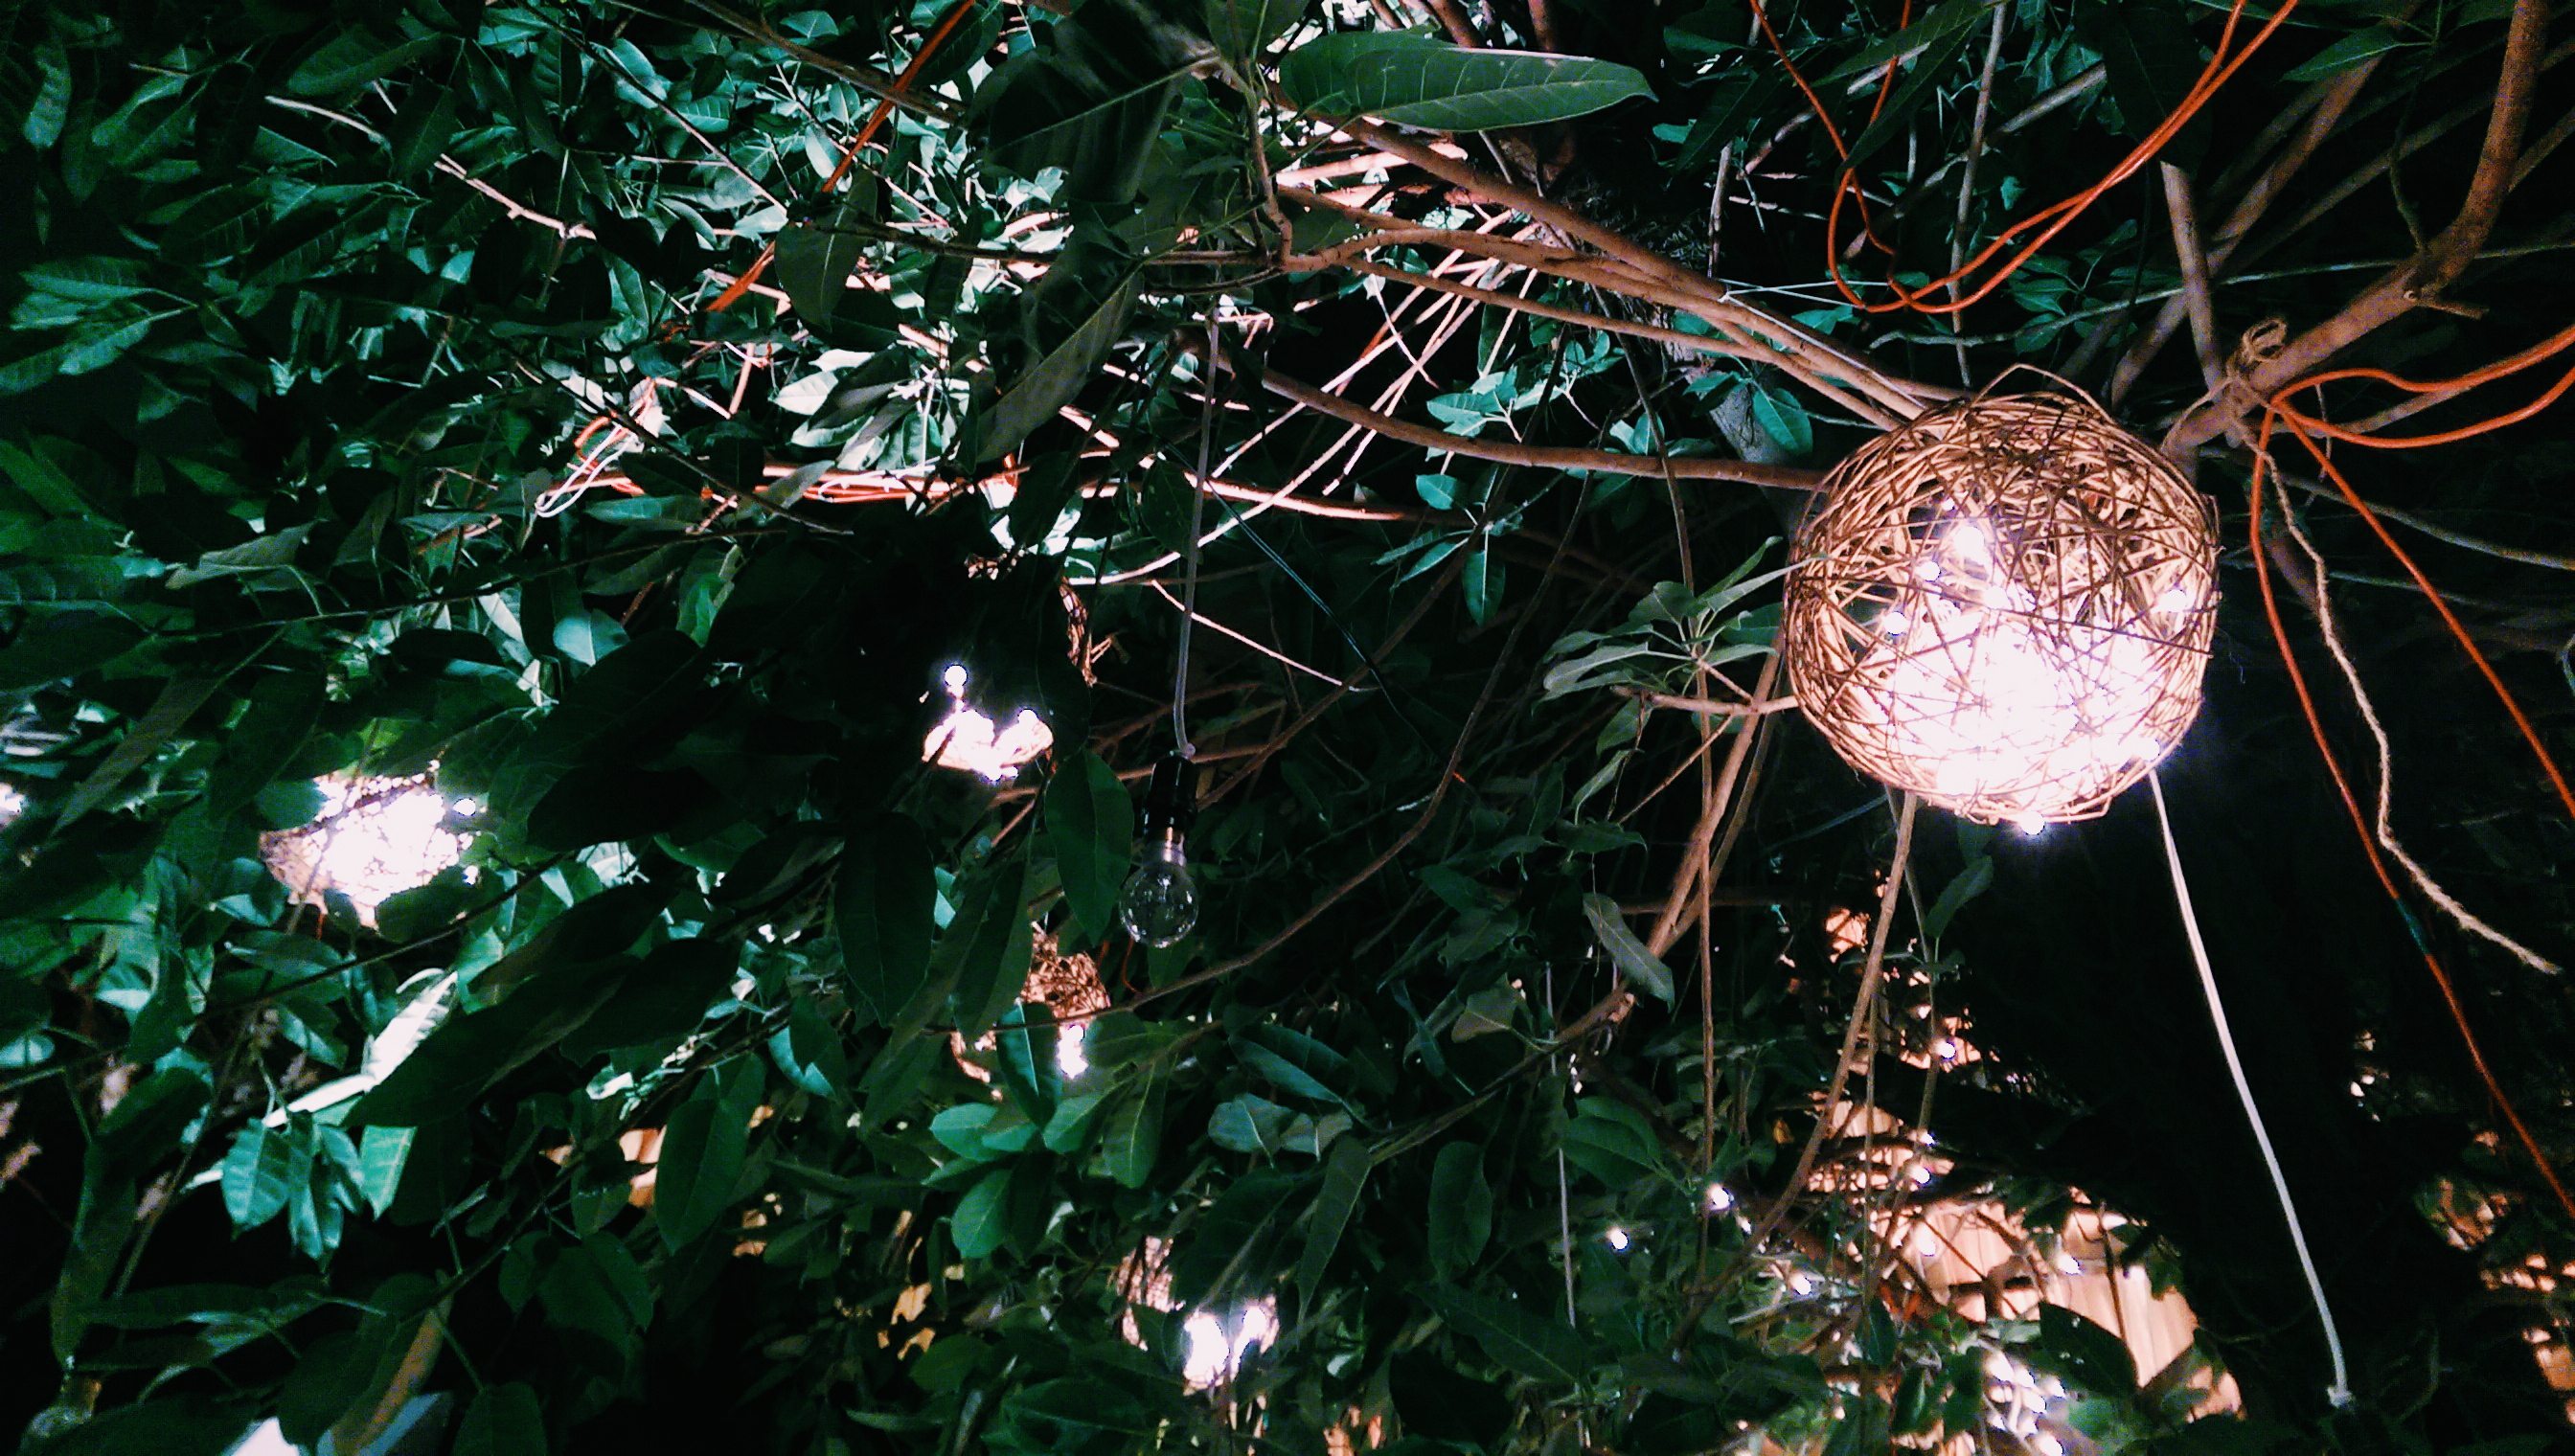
[966,738]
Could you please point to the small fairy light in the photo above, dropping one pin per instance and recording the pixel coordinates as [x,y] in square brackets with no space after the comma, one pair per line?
[2005,607]
[1720,1198]
[1217,1343]
[1617,1240]
[1070,1058]
[967,739]
[12,804]
[373,839]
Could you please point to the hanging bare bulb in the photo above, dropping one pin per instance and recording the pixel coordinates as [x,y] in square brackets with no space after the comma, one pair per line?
[1160,905]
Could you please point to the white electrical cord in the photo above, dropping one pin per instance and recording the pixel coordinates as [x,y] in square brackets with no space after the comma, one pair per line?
[2341,1391]
[1189,571]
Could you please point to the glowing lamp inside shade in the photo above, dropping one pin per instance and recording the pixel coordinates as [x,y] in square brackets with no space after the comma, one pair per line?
[2005,607]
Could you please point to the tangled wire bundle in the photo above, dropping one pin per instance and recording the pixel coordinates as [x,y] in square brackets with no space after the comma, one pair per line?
[2005,607]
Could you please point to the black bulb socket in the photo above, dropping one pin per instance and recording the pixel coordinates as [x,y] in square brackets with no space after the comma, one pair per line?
[1172,799]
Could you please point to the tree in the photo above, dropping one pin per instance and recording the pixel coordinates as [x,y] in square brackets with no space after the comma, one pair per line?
[617,421]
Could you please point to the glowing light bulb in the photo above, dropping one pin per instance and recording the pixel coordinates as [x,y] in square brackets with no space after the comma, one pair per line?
[1161,902]
[1928,570]
[2031,826]
[1617,1240]
[1894,624]
[1969,541]
[2175,602]
[954,678]
[1720,1198]
[1070,1057]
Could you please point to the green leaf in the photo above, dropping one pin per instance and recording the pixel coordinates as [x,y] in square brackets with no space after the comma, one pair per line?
[1033,397]
[814,267]
[64,644]
[1627,951]
[1132,1138]
[382,1151]
[1240,29]
[51,104]
[2082,1353]
[1462,1208]
[703,1147]
[1741,101]
[1069,1131]
[1345,1171]
[1412,80]
[351,58]
[1971,883]
[2151,62]
[884,906]
[1517,1338]
[982,1220]
[1941,22]
[264,1169]
[2345,54]
[423,130]
[271,732]
[1295,1063]
[983,955]
[504,1420]
[1893,119]
[1250,1123]
[179,699]
[1091,827]
[1784,419]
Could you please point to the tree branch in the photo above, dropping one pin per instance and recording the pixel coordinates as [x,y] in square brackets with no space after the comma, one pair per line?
[2422,279]
[1544,457]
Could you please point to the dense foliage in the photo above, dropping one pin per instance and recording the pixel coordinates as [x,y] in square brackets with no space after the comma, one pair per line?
[382,398]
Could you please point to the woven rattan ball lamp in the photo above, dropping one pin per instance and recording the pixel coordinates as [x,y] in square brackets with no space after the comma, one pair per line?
[2005,607]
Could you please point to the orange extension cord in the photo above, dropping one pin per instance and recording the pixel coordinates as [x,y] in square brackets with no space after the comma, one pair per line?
[2051,220]
[2305,429]
[929,45]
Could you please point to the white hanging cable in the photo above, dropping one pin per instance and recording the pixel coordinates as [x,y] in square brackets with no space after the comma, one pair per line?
[1181,744]
[2341,1391]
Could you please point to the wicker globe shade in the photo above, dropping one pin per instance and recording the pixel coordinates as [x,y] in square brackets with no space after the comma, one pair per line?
[2005,607]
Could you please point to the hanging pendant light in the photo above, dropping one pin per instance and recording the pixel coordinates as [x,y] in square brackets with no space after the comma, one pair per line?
[1160,905]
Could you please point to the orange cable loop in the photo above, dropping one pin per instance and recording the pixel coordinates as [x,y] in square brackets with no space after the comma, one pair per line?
[2511,705]
[2369,844]
[2056,217]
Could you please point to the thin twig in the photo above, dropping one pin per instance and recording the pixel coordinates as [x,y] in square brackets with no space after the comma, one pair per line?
[1546,456]
[2420,280]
